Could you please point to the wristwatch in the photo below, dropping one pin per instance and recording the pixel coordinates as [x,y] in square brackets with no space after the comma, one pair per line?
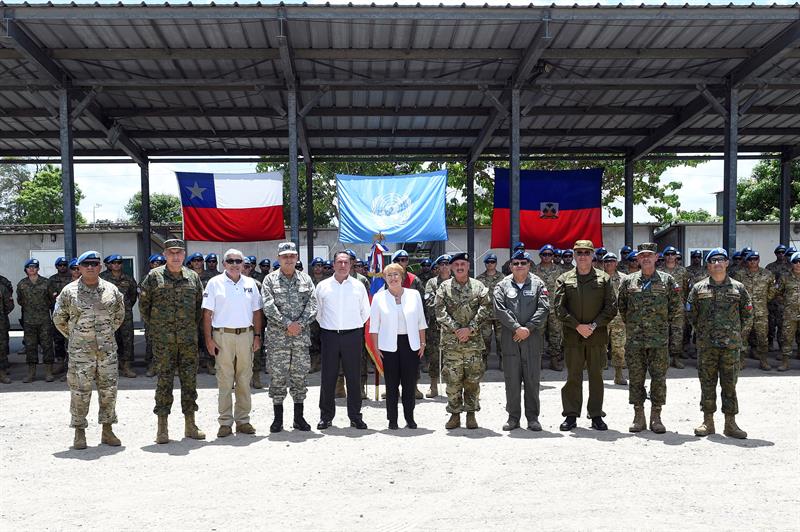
[593,325]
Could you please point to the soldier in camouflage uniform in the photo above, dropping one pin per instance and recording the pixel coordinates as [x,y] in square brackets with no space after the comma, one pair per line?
[760,284]
[432,333]
[6,306]
[130,291]
[33,296]
[779,267]
[290,306]
[681,276]
[315,349]
[548,272]
[205,275]
[719,308]
[616,329]
[649,303]
[426,272]
[154,261]
[490,277]
[169,302]
[566,262]
[260,355]
[462,307]
[789,289]
[622,266]
[57,282]
[87,312]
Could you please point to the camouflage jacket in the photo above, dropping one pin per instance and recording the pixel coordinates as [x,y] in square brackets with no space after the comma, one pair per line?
[789,289]
[459,306]
[760,284]
[170,305]
[490,282]
[719,312]
[207,275]
[682,279]
[57,284]
[284,301]
[6,306]
[5,282]
[424,277]
[696,273]
[585,299]
[779,269]
[89,316]
[650,307]
[429,300]
[127,287]
[548,275]
[34,298]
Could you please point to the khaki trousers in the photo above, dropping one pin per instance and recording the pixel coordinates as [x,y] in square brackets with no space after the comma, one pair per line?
[234,365]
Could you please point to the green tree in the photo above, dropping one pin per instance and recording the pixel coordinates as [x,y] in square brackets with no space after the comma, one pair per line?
[758,197]
[12,177]
[698,215]
[164,208]
[41,198]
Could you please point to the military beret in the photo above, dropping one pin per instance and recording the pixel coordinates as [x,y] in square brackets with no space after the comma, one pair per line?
[276,265]
[327,263]
[442,258]
[61,260]
[265,262]
[647,247]
[156,257]
[32,262]
[746,250]
[88,255]
[351,253]
[253,259]
[558,252]
[490,257]
[399,254]
[459,256]
[608,257]
[194,256]
[426,262]
[716,252]
[584,244]
[752,255]
[174,243]
[567,252]
[670,249]
[519,245]
[632,256]
[211,257]
[736,255]
[790,250]
[73,263]
[780,247]
[625,249]
[521,254]
[795,257]
[547,247]
[601,252]
[107,259]
[317,260]
[697,253]
[299,265]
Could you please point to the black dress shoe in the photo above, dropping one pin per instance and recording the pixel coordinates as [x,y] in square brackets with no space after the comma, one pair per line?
[599,424]
[393,425]
[411,424]
[568,424]
[358,424]
[322,425]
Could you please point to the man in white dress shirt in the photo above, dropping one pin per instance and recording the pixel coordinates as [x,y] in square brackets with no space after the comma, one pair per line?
[342,311]
[232,328]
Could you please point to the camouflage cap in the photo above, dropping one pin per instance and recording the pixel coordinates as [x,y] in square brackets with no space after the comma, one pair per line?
[647,247]
[584,244]
[287,248]
[174,243]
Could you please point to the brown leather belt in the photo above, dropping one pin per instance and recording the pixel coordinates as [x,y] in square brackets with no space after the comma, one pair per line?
[234,331]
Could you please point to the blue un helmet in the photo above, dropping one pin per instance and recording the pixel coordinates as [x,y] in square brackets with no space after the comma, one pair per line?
[276,265]
[442,259]
[73,263]
[61,260]
[317,261]
[426,262]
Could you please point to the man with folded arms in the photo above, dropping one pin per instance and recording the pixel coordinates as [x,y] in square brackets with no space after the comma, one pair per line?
[232,328]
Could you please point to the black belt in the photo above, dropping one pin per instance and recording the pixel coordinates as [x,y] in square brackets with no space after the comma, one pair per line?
[343,331]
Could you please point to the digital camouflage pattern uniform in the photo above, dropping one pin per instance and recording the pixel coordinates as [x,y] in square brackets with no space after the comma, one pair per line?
[760,284]
[789,289]
[315,349]
[88,317]
[681,277]
[492,325]
[205,358]
[649,307]
[616,329]
[260,355]
[552,332]
[432,334]
[57,284]
[286,300]
[6,306]
[130,291]
[718,313]
[35,300]
[775,306]
[170,306]
[462,305]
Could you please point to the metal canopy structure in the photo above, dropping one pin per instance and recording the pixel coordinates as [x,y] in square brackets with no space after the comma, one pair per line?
[299,82]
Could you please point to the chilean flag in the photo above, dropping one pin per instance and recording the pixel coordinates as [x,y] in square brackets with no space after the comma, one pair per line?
[232,207]
[556,207]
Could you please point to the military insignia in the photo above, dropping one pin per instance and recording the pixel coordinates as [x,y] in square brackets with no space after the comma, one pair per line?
[548,210]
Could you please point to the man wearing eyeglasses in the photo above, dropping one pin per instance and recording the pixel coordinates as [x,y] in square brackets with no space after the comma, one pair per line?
[130,291]
[33,296]
[681,276]
[87,312]
[789,289]
[779,267]
[169,302]
[586,304]
[719,308]
[548,272]
[490,277]
[760,284]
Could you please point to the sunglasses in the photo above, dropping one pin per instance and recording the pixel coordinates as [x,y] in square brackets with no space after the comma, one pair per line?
[74,268]
[545,254]
[197,260]
[212,260]
[519,263]
[402,259]
[670,254]
[90,264]
[717,260]
[583,253]
[491,262]
[753,259]
[116,262]
[233,261]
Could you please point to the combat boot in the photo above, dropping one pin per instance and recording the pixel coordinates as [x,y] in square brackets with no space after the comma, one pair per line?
[417,393]
[60,367]
[707,426]
[732,430]
[151,370]
[277,423]
[31,376]
[5,379]
[472,423]
[454,422]
[255,381]
[618,378]
[434,391]
[80,439]
[655,420]
[300,422]
[763,363]
[126,370]
[783,367]
[340,393]
[676,363]
[48,373]
[638,420]
[210,367]
[555,363]
[162,436]
[108,437]
[191,430]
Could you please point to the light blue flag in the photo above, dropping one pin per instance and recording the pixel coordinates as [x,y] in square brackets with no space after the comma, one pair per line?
[403,208]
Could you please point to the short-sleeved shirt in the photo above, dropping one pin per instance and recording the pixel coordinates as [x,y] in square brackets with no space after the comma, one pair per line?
[232,303]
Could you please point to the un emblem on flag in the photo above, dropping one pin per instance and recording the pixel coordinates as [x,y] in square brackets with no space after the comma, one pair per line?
[548,210]
[392,208]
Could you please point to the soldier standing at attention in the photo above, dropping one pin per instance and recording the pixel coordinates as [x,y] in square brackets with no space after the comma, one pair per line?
[548,272]
[719,309]
[616,329]
[317,275]
[521,304]
[195,261]
[33,296]
[490,277]
[462,307]
[566,260]
[425,271]
[58,281]
[622,265]
[129,290]
[290,306]
[154,261]
[779,267]
[87,312]
[212,263]
[586,304]
[506,269]
[789,289]
[649,303]
[6,306]
[695,268]
[260,354]
[170,301]
[760,284]
[433,334]
[681,276]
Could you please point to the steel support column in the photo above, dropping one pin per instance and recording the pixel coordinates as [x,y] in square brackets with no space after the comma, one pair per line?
[67,173]
[729,169]
[294,200]
[309,214]
[144,172]
[786,197]
[629,201]
[514,173]
[471,215]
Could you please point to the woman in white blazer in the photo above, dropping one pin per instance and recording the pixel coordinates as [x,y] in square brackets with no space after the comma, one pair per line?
[397,326]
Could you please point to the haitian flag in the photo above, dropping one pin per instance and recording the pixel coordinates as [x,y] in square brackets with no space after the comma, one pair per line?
[556,207]
[232,207]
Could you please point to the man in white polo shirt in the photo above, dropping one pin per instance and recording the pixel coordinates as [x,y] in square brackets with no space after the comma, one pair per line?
[342,311]
[232,328]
